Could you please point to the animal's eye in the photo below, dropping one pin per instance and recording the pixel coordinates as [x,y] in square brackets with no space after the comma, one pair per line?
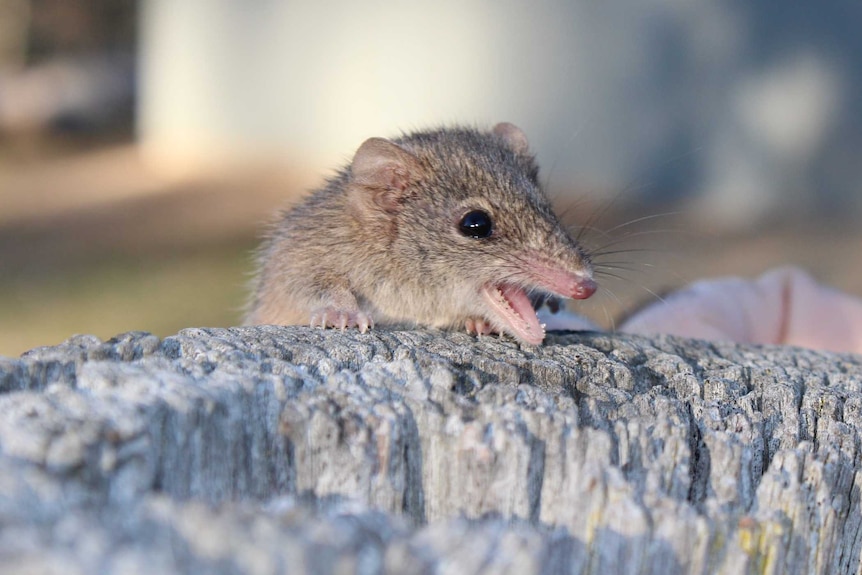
[476,224]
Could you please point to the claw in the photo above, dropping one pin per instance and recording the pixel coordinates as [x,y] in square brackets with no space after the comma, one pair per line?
[478,326]
[341,319]
[364,323]
[318,319]
[470,325]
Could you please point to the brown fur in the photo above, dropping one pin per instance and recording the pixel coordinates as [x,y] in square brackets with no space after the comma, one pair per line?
[382,238]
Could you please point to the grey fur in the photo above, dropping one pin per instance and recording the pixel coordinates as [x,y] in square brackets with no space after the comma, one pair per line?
[412,266]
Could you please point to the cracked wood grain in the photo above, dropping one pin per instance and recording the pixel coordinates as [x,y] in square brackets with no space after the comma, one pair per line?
[276,449]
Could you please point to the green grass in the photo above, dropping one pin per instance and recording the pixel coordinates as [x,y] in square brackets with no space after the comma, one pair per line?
[156,294]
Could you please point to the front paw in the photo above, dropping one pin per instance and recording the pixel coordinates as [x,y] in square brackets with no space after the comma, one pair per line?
[478,325]
[342,319]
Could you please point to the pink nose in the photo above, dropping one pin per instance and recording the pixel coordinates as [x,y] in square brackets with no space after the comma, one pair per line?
[584,289]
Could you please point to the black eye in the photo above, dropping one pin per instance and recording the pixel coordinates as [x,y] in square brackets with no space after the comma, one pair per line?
[476,224]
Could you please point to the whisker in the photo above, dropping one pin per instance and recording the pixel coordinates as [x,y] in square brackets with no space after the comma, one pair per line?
[598,215]
[611,264]
[608,263]
[585,228]
[652,293]
[608,317]
[613,295]
[631,187]
[629,236]
[603,273]
[633,267]
[595,254]
[572,205]
[643,219]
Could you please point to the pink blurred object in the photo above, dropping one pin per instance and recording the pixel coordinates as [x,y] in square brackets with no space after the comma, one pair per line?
[783,306]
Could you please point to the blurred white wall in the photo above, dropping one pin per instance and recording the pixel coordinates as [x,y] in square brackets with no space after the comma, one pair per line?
[747,107]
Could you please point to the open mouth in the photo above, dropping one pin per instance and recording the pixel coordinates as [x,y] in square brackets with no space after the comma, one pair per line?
[514,310]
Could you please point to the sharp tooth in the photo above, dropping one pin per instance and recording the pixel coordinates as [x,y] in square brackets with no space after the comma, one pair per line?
[543,325]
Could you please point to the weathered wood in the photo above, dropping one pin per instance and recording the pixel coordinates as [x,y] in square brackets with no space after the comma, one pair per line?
[267,450]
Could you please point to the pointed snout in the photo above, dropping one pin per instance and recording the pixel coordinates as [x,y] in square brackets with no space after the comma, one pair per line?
[557,278]
[584,289]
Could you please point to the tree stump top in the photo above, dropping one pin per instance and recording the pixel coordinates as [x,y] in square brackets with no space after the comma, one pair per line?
[276,449]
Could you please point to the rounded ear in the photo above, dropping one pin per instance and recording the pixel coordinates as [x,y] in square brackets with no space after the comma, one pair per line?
[513,136]
[381,172]
[381,163]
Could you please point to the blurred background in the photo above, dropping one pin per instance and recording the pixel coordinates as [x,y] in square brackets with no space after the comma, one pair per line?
[145,143]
